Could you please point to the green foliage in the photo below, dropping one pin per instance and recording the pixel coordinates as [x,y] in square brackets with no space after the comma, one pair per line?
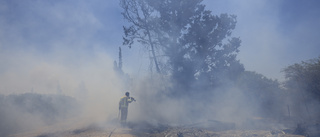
[303,88]
[304,77]
[196,47]
[265,93]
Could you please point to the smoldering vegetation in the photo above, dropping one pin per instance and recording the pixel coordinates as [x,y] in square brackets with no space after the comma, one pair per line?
[250,102]
[195,78]
[228,103]
[254,102]
[29,111]
[61,96]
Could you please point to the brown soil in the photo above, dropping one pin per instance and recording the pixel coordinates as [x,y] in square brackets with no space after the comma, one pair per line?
[113,131]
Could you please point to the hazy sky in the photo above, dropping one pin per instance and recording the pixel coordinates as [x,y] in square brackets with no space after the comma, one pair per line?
[73,33]
[274,33]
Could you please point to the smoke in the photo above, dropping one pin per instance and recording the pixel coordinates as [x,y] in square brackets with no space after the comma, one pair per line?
[57,50]
[89,79]
[273,32]
[226,104]
[67,48]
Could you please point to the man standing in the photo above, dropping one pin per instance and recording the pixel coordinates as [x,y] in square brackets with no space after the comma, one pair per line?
[123,107]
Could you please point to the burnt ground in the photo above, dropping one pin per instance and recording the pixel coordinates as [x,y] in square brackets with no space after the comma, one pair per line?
[204,129]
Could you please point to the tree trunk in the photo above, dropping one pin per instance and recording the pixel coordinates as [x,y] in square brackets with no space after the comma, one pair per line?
[153,53]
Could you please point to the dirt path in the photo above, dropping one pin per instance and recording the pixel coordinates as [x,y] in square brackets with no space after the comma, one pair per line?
[116,131]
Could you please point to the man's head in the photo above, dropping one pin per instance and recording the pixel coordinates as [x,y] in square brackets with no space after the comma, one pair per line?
[127,94]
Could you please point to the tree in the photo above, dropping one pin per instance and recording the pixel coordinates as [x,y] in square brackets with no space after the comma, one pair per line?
[305,77]
[118,67]
[303,86]
[264,94]
[196,46]
[139,13]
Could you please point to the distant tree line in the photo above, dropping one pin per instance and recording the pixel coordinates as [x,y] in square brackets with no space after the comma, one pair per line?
[304,77]
[302,85]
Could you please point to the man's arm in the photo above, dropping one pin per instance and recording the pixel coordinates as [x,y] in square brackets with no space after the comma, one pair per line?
[131,99]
